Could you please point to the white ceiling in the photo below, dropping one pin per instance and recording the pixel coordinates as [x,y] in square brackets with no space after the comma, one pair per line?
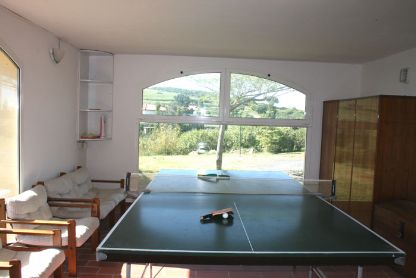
[351,31]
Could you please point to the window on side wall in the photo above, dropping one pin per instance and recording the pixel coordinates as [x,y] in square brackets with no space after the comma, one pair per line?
[9,125]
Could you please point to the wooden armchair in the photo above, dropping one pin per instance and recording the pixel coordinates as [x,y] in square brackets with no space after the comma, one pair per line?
[19,261]
[31,210]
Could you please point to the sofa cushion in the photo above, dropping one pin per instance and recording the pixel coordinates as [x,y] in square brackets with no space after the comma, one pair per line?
[65,187]
[30,204]
[116,195]
[81,180]
[85,227]
[61,187]
[34,264]
[106,207]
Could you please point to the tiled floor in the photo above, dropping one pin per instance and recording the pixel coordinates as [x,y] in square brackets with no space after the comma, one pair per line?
[89,267]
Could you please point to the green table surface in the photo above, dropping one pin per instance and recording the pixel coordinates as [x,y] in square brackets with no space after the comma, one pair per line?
[267,229]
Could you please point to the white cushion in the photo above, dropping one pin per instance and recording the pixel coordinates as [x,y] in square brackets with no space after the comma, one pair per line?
[106,207]
[117,194]
[66,187]
[34,264]
[61,187]
[85,227]
[81,180]
[30,204]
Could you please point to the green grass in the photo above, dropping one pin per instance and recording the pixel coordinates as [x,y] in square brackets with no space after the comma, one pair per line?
[234,161]
[157,96]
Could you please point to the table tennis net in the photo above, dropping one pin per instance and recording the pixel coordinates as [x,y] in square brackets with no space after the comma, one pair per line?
[241,185]
[324,188]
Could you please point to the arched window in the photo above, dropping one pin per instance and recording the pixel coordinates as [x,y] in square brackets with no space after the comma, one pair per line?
[9,125]
[200,95]
[223,120]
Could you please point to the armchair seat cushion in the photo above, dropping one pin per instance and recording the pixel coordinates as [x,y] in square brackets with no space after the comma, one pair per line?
[109,194]
[84,228]
[34,264]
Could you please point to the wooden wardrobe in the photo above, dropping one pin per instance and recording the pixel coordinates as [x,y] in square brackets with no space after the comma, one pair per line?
[369,148]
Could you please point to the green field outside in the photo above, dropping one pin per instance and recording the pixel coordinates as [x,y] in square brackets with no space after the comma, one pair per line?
[158,96]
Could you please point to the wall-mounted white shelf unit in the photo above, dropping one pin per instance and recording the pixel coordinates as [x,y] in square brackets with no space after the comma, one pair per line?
[95,99]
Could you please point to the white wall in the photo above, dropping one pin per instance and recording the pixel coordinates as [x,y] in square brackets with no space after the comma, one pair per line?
[322,81]
[48,100]
[48,93]
[382,76]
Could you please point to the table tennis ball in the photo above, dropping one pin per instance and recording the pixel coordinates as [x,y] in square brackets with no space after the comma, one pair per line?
[225,215]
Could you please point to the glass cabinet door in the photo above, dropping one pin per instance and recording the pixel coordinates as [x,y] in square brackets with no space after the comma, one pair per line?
[365,143]
[344,148]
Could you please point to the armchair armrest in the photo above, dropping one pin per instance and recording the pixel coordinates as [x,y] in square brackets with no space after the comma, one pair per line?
[93,204]
[40,222]
[121,182]
[55,234]
[74,200]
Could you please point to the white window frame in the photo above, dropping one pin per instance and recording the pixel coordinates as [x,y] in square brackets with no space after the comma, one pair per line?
[224,106]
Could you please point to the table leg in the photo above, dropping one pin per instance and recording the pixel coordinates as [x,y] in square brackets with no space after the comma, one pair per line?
[360,271]
[128,270]
[145,269]
[317,272]
[310,272]
[150,270]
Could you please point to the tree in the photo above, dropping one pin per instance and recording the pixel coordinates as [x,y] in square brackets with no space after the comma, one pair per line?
[250,96]
[181,105]
[182,100]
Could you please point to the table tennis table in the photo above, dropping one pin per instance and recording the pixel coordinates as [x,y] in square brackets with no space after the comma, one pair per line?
[276,222]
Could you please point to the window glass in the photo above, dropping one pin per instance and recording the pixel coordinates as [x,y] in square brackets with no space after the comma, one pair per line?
[230,138]
[255,97]
[9,126]
[193,95]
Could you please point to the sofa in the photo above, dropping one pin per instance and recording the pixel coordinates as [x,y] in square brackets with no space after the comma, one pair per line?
[78,185]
